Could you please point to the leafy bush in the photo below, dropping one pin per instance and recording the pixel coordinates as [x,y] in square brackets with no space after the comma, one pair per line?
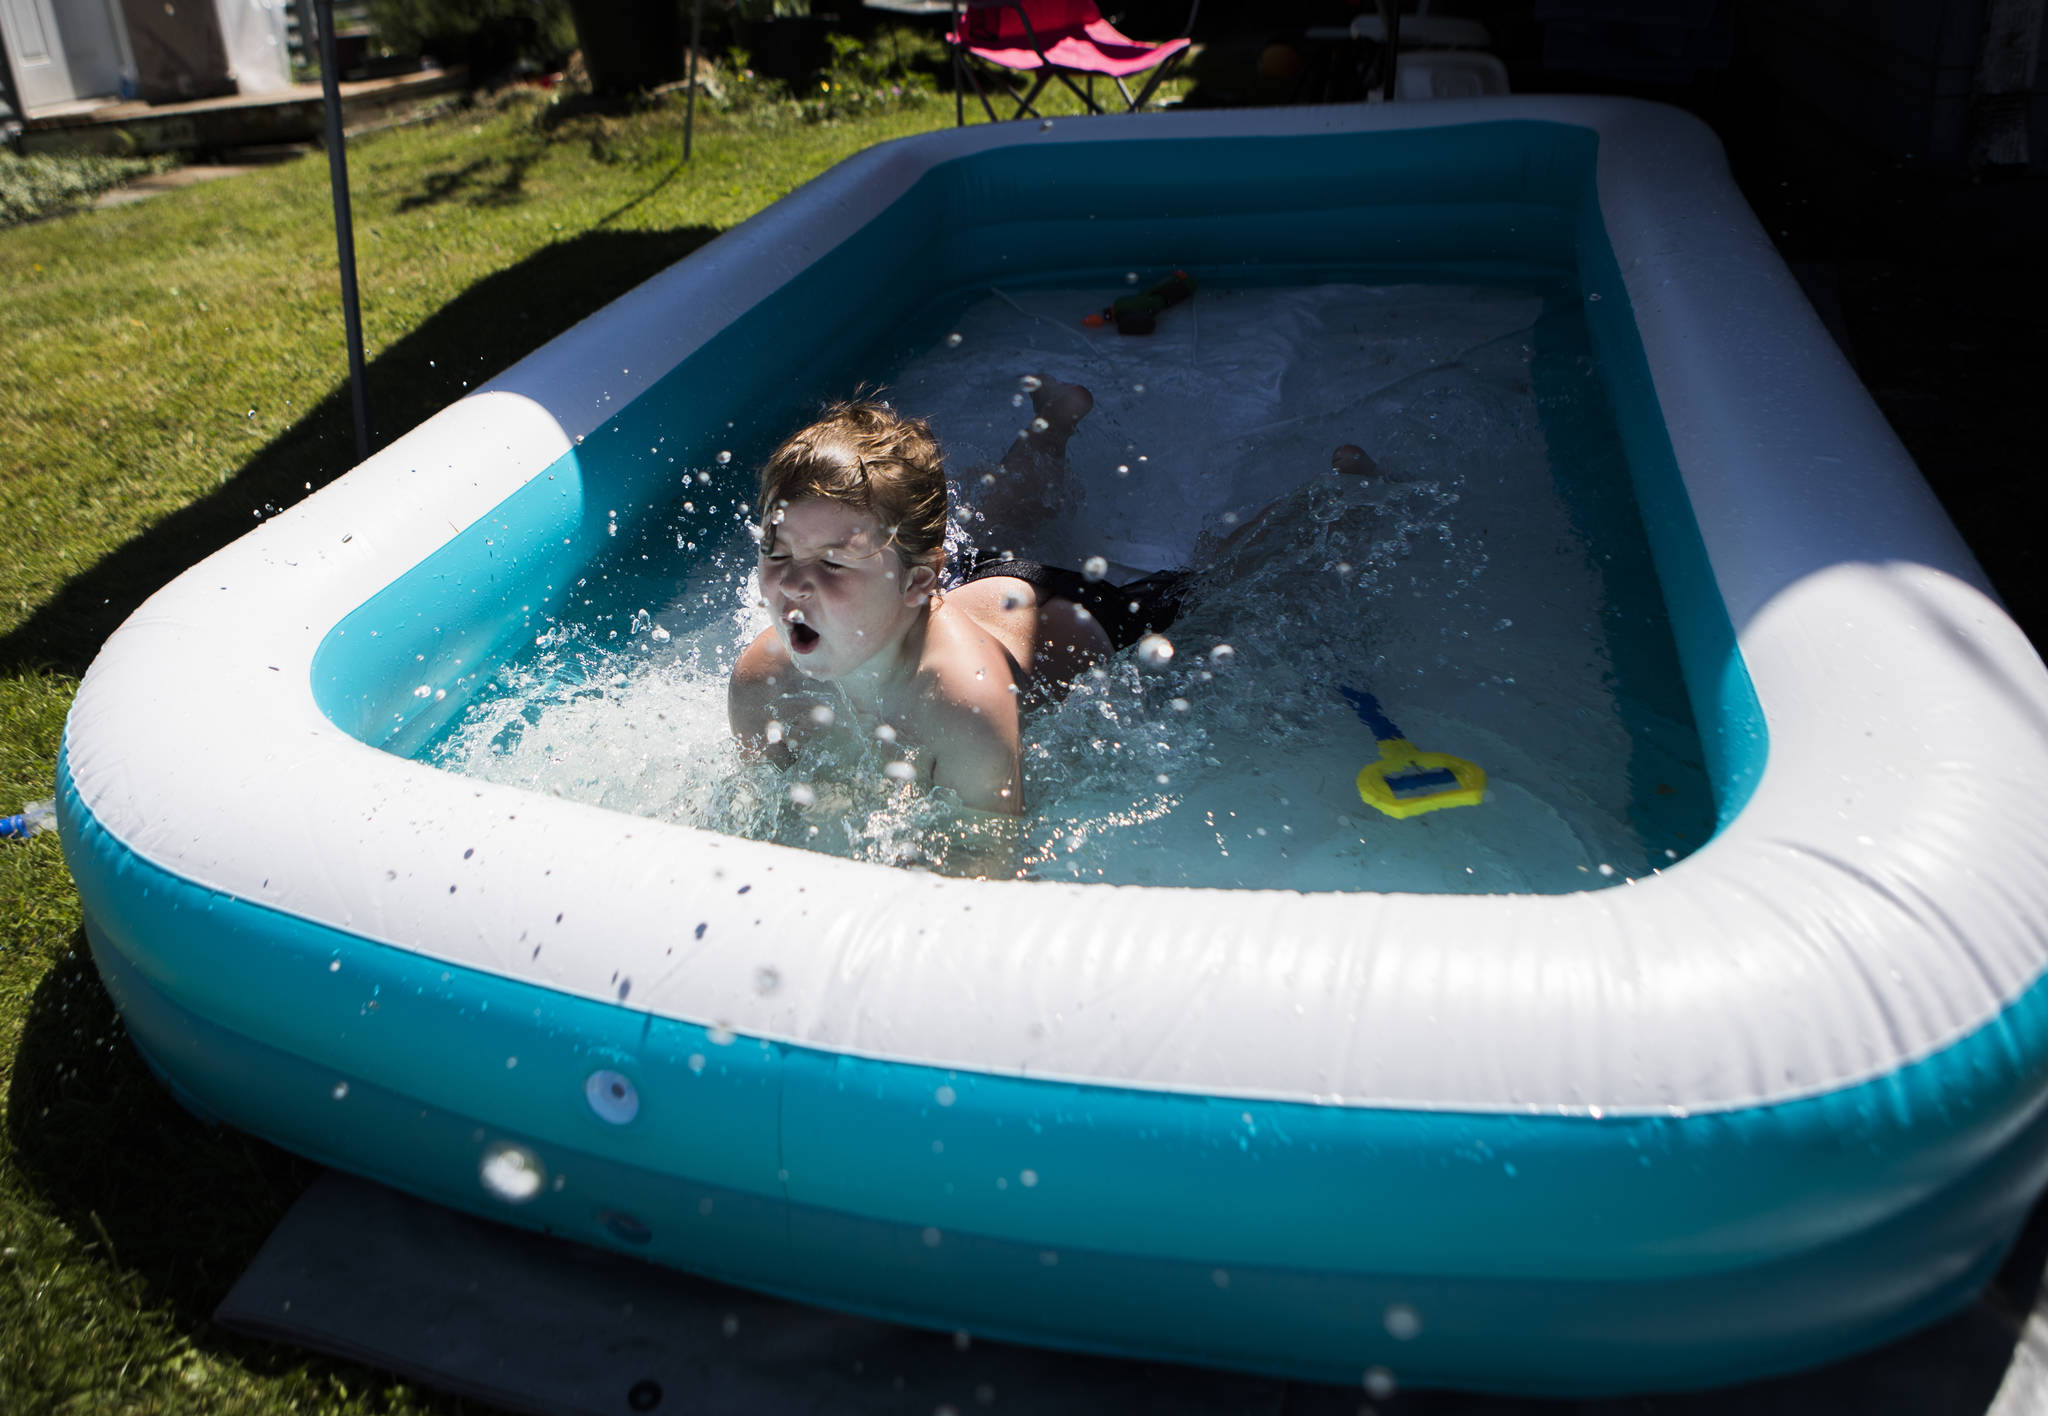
[490,36]
[727,83]
[35,186]
[893,70]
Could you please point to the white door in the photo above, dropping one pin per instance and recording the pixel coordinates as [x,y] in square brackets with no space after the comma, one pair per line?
[35,51]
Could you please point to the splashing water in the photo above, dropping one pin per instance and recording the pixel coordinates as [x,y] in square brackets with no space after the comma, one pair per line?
[1459,582]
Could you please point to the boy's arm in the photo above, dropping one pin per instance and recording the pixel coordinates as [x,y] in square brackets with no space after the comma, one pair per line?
[977,748]
[758,684]
[977,753]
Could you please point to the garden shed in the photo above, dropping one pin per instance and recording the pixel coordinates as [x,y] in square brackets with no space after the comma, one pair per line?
[65,52]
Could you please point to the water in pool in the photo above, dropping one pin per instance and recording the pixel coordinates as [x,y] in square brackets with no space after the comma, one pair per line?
[1491,586]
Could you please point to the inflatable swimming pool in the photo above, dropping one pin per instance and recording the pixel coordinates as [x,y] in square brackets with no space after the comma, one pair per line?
[1777,1103]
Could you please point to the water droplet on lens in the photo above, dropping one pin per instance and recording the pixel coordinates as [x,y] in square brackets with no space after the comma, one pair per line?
[1155,651]
[512,1172]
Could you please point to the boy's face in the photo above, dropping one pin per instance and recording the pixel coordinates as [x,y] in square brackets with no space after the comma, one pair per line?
[838,592]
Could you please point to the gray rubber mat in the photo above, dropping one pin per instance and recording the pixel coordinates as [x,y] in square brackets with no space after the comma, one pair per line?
[541,1325]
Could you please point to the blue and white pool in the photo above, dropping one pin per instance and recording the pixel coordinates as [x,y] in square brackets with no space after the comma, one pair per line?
[1710,1045]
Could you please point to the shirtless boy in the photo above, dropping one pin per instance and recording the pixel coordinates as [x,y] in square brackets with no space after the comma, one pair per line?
[853,521]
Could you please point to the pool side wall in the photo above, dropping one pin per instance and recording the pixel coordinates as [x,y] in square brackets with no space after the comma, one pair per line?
[1543,1253]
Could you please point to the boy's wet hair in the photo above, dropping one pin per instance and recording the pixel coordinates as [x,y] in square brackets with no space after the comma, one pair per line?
[866,455]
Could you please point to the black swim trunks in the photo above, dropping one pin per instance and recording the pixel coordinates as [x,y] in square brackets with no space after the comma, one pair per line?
[1127,613]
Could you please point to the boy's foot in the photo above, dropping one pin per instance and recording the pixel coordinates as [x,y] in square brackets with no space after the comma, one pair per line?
[1060,407]
[1352,460]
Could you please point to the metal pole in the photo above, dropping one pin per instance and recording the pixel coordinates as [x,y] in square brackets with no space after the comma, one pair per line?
[1390,20]
[690,105]
[344,225]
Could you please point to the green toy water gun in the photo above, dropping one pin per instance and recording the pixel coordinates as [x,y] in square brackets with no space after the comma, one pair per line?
[1139,314]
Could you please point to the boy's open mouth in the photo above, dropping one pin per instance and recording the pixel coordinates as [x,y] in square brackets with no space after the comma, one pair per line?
[802,638]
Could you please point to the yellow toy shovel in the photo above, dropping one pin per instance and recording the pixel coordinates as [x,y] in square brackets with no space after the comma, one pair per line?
[1407,781]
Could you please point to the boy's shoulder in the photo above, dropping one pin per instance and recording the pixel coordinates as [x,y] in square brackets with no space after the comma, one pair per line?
[762,674]
[761,691]
[966,670]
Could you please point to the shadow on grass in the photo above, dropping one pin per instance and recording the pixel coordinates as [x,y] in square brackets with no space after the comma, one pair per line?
[180,1205]
[473,184]
[176,1208]
[488,327]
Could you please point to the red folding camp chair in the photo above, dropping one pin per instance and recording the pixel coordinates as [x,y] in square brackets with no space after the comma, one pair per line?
[1054,39]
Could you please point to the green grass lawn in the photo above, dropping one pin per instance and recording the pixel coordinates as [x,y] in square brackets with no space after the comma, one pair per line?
[174,370]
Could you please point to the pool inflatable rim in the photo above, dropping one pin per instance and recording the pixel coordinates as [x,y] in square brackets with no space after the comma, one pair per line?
[1872,904]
